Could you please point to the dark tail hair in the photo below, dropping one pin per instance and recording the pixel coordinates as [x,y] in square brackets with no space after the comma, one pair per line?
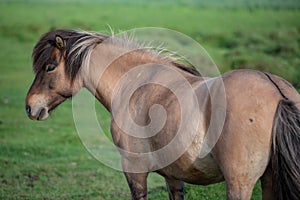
[286,151]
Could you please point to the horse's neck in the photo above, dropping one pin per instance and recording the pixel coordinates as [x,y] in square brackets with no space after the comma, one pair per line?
[108,63]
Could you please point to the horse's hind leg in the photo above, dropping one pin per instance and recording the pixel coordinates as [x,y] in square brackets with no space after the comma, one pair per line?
[266,185]
[241,166]
[242,158]
[175,189]
[238,189]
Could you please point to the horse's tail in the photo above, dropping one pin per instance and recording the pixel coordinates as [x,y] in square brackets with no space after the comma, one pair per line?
[285,157]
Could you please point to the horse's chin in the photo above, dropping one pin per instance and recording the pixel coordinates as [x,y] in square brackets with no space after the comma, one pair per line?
[43,116]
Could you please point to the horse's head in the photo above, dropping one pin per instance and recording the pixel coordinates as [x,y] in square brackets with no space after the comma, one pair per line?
[53,83]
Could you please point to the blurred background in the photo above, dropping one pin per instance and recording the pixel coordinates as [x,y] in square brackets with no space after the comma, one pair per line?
[46,160]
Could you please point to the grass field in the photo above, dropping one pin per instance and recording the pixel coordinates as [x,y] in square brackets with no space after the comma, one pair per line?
[46,160]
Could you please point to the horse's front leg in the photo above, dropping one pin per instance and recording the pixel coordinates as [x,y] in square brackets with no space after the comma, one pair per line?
[175,189]
[138,185]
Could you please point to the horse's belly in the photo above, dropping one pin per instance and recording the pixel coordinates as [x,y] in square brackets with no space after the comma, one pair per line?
[197,171]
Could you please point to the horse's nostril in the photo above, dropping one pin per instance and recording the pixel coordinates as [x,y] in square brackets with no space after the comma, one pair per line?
[28,109]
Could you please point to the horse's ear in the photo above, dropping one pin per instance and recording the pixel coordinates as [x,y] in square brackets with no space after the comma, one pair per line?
[59,41]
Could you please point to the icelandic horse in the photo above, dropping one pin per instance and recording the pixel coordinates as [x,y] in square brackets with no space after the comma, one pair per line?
[260,136]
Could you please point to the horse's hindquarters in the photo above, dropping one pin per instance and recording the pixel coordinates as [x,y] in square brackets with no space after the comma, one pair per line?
[243,150]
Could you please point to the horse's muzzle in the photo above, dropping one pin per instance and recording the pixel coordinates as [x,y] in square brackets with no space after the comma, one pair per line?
[36,113]
[28,110]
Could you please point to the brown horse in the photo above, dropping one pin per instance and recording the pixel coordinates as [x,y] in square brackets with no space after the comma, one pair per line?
[257,115]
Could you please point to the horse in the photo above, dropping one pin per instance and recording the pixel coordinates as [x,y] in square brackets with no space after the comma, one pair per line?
[259,125]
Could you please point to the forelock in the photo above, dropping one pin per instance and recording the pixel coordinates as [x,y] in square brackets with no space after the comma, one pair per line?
[78,45]
[42,52]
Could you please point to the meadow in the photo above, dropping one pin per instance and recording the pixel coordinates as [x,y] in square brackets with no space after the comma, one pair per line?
[46,160]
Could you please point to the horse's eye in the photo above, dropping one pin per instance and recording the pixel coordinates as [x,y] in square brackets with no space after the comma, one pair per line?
[50,67]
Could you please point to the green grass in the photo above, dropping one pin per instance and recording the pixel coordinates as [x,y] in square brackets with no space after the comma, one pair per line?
[46,160]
